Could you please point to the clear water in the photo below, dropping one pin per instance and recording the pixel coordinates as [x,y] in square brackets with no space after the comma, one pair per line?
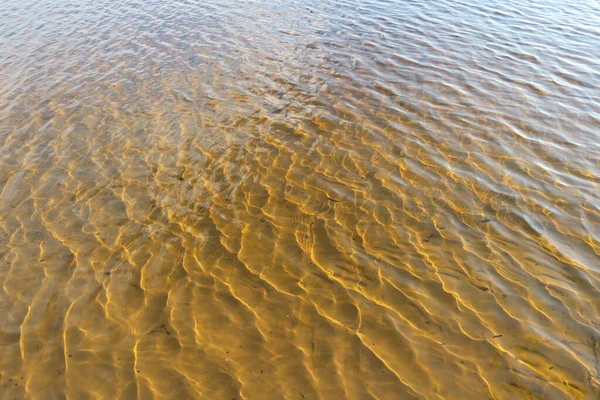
[299,199]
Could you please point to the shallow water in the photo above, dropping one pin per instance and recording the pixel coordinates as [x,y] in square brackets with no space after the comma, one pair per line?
[299,199]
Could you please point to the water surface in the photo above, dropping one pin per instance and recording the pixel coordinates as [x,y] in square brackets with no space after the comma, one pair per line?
[299,199]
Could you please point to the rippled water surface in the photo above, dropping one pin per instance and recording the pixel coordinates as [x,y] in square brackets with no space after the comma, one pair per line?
[300,199]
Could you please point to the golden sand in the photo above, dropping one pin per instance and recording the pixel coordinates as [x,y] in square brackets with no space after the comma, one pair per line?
[299,200]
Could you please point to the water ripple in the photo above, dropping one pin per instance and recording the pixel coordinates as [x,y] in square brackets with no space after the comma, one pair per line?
[301,200]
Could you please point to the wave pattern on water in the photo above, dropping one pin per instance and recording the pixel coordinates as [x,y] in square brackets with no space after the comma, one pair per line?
[300,200]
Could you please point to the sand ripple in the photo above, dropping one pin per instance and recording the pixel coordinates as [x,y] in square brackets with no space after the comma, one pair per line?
[299,200]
